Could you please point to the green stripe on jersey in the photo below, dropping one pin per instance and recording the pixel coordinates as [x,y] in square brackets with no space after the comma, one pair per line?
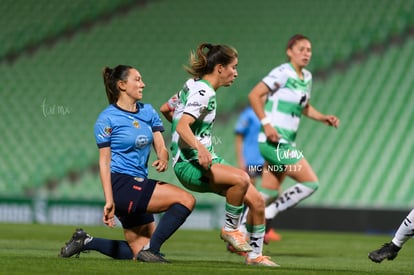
[268,106]
[289,108]
[201,128]
[296,84]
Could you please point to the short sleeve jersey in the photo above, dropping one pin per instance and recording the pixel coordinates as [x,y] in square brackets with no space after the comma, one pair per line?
[173,102]
[287,98]
[197,99]
[175,99]
[248,125]
[129,135]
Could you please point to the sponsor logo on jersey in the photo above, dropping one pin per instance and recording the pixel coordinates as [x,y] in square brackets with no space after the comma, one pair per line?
[193,104]
[141,141]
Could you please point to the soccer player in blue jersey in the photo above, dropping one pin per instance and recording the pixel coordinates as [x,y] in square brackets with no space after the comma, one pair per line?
[246,131]
[125,132]
[197,165]
[286,90]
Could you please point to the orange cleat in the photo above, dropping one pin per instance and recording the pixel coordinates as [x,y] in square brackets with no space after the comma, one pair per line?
[261,260]
[236,239]
[231,249]
[271,236]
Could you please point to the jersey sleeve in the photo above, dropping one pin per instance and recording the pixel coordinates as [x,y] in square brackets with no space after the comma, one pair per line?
[198,102]
[276,78]
[103,131]
[156,122]
[173,102]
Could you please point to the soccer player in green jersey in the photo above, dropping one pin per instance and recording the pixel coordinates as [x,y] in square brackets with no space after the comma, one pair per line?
[287,90]
[195,162]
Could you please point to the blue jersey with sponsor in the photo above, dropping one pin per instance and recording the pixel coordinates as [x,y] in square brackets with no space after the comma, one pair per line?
[248,125]
[129,134]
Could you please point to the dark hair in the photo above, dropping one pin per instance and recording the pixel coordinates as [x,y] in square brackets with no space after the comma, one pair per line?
[208,56]
[111,78]
[292,41]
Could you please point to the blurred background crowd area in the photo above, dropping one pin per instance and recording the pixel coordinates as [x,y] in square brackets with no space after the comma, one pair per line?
[52,54]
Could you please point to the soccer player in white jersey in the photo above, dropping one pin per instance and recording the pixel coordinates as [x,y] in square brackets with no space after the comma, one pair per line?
[287,90]
[390,250]
[195,162]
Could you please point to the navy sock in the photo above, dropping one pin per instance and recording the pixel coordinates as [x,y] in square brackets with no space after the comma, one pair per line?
[116,249]
[172,219]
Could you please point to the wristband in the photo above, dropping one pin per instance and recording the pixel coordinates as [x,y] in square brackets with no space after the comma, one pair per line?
[265,121]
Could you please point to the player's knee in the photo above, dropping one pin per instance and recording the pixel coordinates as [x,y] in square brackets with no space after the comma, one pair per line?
[187,200]
[255,200]
[244,180]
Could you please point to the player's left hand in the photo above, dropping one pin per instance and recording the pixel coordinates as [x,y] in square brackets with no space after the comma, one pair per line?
[160,165]
[331,120]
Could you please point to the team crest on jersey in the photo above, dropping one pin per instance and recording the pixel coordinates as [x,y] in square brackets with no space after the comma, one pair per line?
[107,131]
[135,123]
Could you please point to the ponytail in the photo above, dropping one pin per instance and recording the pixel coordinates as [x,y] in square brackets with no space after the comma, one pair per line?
[207,56]
[111,78]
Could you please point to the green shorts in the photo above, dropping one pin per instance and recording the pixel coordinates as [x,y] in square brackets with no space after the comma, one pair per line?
[191,175]
[280,153]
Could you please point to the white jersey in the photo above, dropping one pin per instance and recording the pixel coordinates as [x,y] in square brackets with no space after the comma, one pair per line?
[198,99]
[286,101]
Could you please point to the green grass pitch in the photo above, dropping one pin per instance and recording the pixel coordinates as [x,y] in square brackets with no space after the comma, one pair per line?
[32,249]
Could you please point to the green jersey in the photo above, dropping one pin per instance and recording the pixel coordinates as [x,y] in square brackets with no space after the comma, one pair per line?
[288,97]
[197,99]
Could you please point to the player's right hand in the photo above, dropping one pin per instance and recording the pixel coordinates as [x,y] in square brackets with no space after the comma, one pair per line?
[204,157]
[109,214]
[271,133]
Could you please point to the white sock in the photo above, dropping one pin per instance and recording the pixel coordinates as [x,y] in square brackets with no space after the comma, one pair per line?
[288,199]
[232,216]
[146,247]
[405,231]
[256,241]
[242,225]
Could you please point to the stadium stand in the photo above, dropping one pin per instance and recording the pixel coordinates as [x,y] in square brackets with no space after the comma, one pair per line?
[29,24]
[52,92]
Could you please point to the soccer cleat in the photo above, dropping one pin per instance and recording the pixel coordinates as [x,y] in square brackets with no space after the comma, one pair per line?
[150,257]
[231,249]
[75,244]
[271,236]
[388,251]
[236,239]
[262,261]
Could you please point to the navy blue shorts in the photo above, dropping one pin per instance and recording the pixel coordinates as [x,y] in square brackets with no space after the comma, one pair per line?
[131,197]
